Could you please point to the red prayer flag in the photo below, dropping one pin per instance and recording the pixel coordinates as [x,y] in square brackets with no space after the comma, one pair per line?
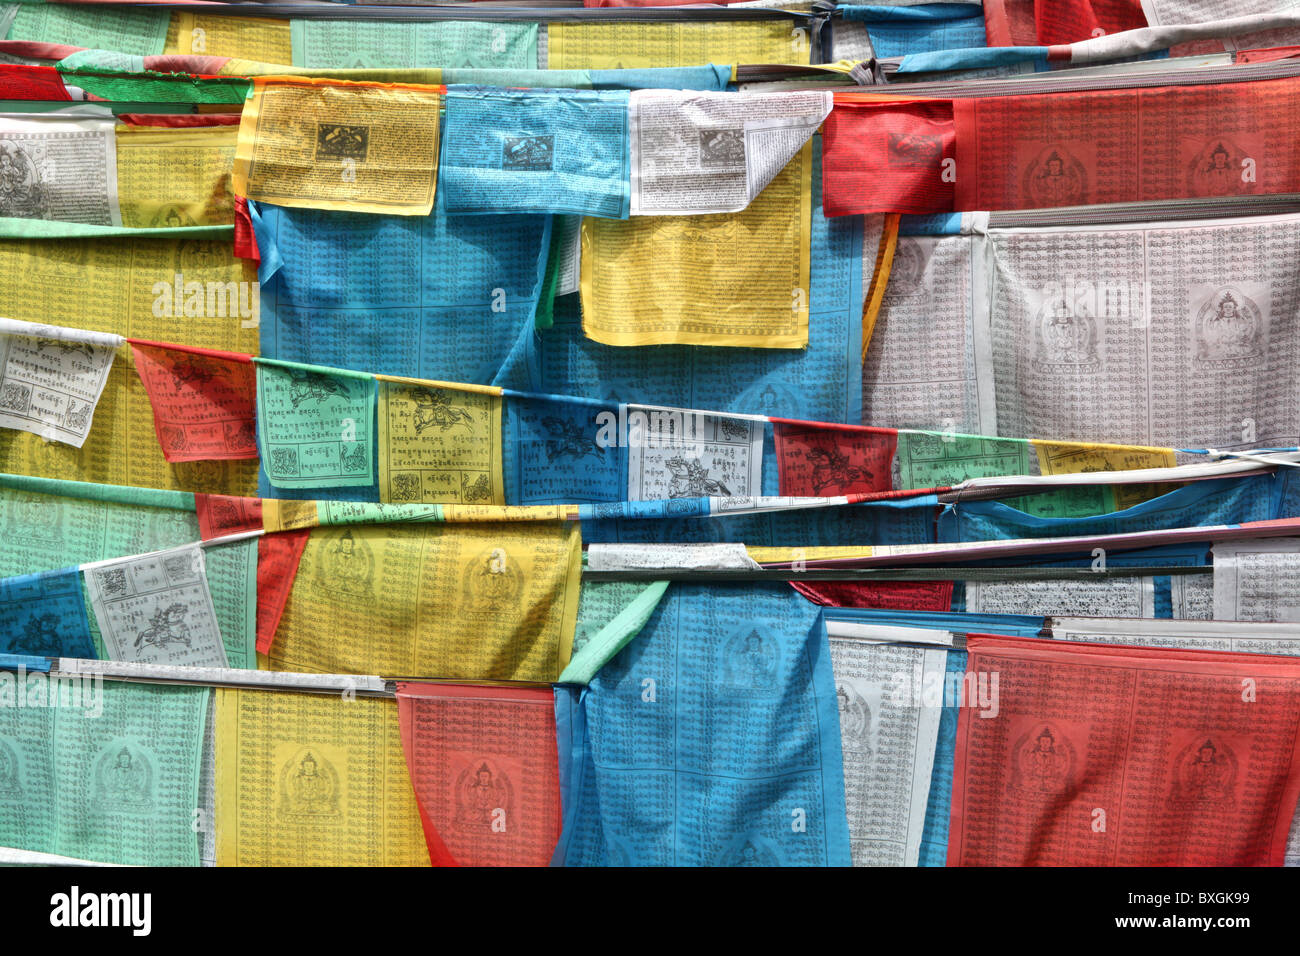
[888,156]
[1108,146]
[1098,755]
[204,402]
[822,460]
[278,554]
[485,770]
[31,83]
[1068,21]
[1270,55]
[1010,23]
[227,514]
[245,237]
[886,595]
[179,120]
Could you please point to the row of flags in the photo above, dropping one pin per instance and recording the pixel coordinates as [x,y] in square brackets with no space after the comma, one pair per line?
[602,437]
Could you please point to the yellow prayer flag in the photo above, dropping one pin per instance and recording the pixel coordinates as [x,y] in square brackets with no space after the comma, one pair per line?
[1072,458]
[736,279]
[332,144]
[439,442]
[632,45]
[312,780]
[175,177]
[284,514]
[475,601]
[254,38]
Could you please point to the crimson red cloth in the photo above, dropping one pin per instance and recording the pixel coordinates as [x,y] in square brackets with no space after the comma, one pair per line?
[485,770]
[1068,21]
[1107,146]
[31,83]
[888,156]
[245,237]
[822,460]
[1098,755]
[887,595]
[227,514]
[204,401]
[278,554]
[179,120]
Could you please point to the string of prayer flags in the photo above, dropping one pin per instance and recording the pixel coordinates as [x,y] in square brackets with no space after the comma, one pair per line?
[135,283]
[328,144]
[484,766]
[50,523]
